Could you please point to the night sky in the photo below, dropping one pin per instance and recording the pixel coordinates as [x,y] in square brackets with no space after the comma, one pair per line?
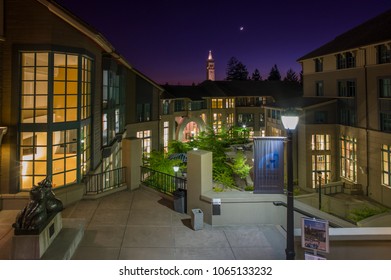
[169,40]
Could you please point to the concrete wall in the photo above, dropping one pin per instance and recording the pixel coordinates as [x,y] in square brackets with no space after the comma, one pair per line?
[19,200]
[132,160]
[353,244]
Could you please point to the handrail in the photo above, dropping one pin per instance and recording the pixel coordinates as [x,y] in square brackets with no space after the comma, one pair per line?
[160,181]
[281,203]
[108,180]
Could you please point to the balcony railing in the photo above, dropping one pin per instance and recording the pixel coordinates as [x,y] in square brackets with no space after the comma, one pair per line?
[162,182]
[105,181]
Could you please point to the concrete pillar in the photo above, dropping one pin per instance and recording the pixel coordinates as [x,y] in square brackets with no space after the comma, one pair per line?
[132,159]
[199,177]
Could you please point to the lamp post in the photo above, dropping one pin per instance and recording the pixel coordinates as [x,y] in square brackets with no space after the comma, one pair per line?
[289,120]
[320,189]
[176,169]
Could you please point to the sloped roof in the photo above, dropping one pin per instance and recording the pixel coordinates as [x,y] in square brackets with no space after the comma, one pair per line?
[373,31]
[301,102]
[191,92]
[89,31]
[276,89]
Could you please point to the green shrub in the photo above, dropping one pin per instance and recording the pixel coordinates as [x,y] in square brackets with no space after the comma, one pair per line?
[249,188]
[365,212]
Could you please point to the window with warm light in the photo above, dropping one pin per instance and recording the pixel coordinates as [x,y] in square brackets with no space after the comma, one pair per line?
[145,135]
[386,165]
[65,87]
[217,103]
[320,163]
[34,87]
[320,142]
[349,158]
[64,155]
[217,122]
[230,103]
[166,131]
[55,90]
[33,155]
[230,120]
[321,159]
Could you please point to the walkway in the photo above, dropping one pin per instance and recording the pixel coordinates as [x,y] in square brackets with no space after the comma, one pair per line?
[140,225]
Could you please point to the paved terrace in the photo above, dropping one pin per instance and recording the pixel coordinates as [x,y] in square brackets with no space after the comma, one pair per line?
[141,225]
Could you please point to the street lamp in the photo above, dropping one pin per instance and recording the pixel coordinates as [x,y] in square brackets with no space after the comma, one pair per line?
[320,189]
[176,169]
[289,120]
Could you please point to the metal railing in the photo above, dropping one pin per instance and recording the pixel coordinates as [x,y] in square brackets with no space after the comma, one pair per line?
[332,188]
[162,182]
[305,213]
[105,181]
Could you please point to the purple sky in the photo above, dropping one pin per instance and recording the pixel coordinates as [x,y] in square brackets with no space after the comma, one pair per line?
[169,40]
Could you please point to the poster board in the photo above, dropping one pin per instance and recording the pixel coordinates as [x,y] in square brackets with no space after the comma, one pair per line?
[315,235]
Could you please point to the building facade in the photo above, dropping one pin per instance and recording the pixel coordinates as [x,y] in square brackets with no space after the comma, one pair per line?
[67,101]
[353,143]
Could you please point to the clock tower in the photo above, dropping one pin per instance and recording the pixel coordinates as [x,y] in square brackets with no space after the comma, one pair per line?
[210,67]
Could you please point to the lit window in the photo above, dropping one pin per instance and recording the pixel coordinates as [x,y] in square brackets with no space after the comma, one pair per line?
[166,126]
[33,154]
[63,81]
[320,142]
[217,103]
[320,163]
[146,142]
[217,122]
[349,158]
[65,87]
[34,90]
[386,165]
[64,157]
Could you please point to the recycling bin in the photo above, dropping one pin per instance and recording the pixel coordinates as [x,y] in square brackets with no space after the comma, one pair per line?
[197,219]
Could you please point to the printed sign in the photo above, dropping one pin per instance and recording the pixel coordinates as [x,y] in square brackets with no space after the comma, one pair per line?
[315,234]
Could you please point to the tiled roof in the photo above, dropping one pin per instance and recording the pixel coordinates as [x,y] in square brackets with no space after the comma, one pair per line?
[373,31]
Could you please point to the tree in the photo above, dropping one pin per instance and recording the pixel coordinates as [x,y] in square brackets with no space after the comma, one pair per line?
[291,76]
[274,74]
[256,76]
[240,166]
[236,70]
[160,161]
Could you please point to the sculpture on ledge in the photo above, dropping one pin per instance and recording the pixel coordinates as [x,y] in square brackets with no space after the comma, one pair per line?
[41,207]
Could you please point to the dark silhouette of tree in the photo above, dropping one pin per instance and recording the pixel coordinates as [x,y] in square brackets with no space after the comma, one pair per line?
[301,77]
[256,76]
[236,70]
[291,76]
[274,74]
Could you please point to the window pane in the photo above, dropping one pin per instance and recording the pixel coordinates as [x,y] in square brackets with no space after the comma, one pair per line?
[42,59]
[59,88]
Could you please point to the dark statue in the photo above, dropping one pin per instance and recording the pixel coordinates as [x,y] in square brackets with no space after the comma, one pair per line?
[41,207]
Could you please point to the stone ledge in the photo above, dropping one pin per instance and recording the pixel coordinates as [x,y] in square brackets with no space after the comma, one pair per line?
[67,241]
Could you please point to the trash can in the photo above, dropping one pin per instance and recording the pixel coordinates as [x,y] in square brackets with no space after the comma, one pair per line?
[179,200]
[197,219]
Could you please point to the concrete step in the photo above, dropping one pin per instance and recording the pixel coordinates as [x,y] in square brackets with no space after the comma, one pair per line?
[67,241]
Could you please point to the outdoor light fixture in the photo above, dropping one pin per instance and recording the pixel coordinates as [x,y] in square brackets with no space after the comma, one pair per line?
[290,120]
[176,169]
